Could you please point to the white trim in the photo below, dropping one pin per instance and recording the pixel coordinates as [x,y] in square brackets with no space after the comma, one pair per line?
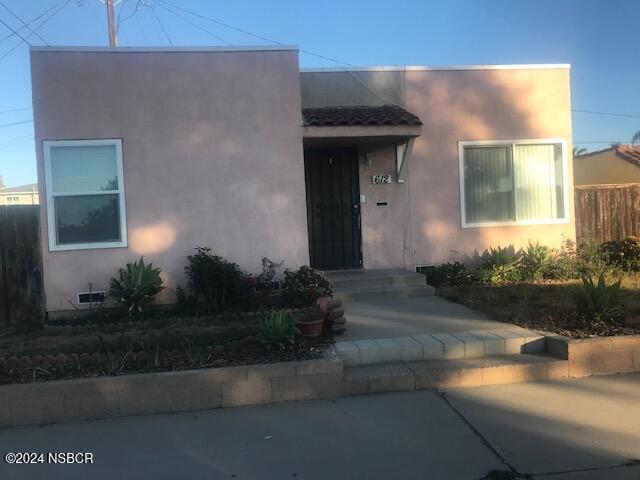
[511,142]
[51,224]
[245,48]
[398,68]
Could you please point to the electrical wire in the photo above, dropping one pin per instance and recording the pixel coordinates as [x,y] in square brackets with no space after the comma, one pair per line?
[15,123]
[15,32]
[15,110]
[54,6]
[195,24]
[44,22]
[23,23]
[155,15]
[592,112]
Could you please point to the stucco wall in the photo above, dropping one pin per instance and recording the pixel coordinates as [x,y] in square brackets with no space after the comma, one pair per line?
[382,246]
[454,105]
[212,156]
[478,105]
[604,168]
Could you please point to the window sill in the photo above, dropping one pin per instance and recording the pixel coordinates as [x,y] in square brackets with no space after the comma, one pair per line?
[86,246]
[516,223]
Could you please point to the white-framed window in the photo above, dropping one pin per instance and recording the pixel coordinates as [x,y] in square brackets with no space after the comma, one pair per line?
[13,200]
[513,182]
[85,194]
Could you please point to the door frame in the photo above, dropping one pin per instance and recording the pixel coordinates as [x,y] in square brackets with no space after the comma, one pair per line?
[355,158]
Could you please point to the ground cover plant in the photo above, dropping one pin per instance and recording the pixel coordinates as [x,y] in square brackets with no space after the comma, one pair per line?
[221,319]
[574,291]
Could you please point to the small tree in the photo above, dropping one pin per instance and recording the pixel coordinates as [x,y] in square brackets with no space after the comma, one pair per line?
[636,138]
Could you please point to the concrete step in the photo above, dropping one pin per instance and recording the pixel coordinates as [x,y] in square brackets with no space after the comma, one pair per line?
[380,281]
[443,346]
[356,293]
[446,374]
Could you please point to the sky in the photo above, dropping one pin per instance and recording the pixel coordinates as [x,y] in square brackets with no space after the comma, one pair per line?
[599,38]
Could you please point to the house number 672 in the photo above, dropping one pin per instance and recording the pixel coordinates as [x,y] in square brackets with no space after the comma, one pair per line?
[380,179]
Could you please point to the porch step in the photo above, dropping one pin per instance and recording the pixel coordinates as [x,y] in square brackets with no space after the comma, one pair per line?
[393,291]
[440,346]
[369,284]
[445,374]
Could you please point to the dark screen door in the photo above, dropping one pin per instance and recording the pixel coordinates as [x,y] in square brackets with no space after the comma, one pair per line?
[333,207]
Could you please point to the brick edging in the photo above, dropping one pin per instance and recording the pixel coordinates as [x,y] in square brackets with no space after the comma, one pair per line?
[597,355]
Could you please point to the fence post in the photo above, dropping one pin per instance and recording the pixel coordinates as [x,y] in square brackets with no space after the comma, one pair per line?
[21,290]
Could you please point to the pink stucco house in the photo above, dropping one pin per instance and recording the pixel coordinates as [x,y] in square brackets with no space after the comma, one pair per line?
[152,151]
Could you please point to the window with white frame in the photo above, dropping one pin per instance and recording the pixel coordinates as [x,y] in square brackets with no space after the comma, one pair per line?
[513,182]
[85,194]
[13,200]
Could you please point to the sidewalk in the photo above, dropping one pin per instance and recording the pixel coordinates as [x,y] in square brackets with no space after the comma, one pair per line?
[586,428]
[399,317]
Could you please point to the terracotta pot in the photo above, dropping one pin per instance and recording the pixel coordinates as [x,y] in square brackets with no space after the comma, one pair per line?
[310,325]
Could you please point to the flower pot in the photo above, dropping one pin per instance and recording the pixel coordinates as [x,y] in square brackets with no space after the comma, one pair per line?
[310,325]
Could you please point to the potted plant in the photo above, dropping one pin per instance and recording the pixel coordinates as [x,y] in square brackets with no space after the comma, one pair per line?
[310,323]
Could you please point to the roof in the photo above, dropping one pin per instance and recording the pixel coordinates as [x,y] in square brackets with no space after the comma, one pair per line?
[407,68]
[349,116]
[20,188]
[233,48]
[630,154]
[626,152]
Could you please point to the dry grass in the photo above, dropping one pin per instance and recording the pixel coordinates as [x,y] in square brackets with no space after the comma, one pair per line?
[545,306]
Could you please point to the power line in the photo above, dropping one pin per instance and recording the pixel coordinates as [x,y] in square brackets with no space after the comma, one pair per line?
[600,141]
[592,112]
[14,31]
[155,15]
[195,25]
[254,35]
[165,4]
[23,23]
[15,110]
[15,123]
[55,5]
[44,22]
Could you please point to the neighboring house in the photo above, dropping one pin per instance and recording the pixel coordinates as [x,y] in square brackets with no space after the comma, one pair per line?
[145,151]
[614,165]
[21,195]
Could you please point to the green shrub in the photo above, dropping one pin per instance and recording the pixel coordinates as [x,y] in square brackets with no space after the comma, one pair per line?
[599,302]
[452,273]
[218,283]
[624,254]
[304,286]
[136,286]
[534,261]
[276,330]
[499,265]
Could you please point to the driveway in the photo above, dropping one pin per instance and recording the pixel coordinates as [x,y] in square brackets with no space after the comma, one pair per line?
[583,429]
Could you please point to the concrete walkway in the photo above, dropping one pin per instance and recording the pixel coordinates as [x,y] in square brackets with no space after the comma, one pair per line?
[399,317]
[566,430]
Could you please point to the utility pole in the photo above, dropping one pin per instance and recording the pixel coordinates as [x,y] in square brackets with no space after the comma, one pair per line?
[113,39]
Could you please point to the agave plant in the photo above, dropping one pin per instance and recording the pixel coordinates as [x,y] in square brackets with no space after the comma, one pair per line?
[599,302]
[276,330]
[137,285]
[535,258]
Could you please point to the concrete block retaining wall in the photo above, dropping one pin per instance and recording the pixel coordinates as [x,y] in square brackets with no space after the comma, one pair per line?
[141,394]
[597,356]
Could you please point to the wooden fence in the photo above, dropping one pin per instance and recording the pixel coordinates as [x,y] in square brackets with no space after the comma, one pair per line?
[21,291]
[607,212]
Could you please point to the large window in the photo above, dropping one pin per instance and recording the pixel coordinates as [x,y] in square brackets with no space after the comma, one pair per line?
[85,194]
[513,182]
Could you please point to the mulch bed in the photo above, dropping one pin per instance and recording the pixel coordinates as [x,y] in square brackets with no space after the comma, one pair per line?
[547,306]
[245,351]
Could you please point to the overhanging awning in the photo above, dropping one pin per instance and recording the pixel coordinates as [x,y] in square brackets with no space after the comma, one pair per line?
[347,125]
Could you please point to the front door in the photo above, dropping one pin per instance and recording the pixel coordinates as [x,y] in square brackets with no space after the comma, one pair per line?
[333,207]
